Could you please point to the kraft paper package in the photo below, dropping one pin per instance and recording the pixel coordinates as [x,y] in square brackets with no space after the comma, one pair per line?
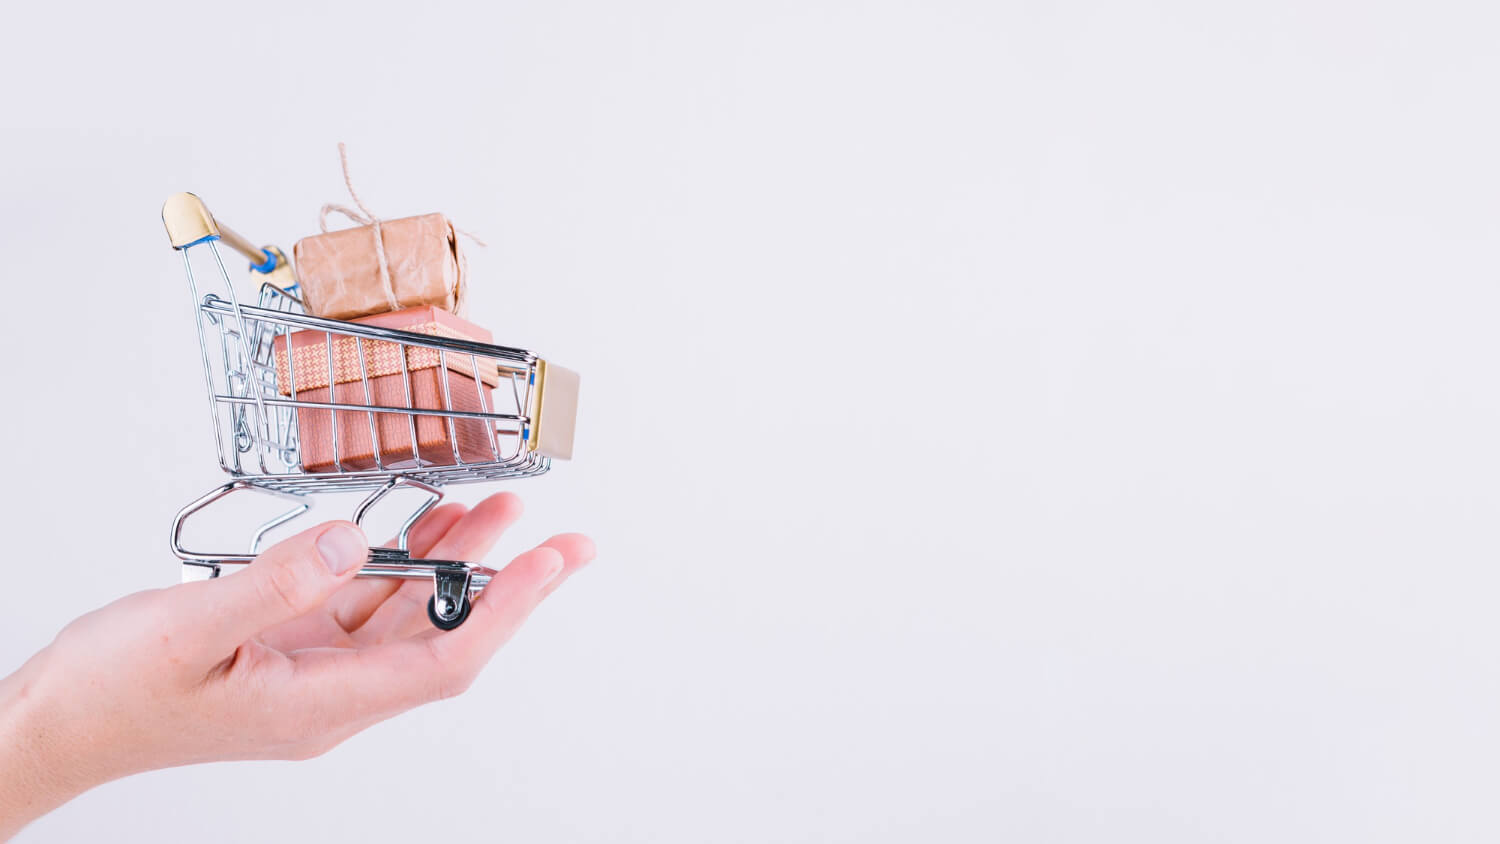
[342,276]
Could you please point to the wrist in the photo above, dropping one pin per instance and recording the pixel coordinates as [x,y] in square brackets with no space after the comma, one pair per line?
[37,771]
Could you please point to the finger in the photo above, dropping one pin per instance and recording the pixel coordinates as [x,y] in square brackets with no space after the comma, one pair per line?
[287,581]
[470,539]
[356,686]
[510,597]
[577,551]
[353,605]
[500,610]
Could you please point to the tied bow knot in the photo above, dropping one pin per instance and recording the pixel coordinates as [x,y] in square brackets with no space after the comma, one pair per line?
[365,217]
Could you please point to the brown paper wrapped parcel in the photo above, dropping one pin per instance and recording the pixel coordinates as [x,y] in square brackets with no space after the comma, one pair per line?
[341,277]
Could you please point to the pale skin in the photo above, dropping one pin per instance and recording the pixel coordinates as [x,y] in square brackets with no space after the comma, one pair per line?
[283,660]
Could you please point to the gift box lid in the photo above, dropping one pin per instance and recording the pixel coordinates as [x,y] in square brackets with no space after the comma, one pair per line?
[311,350]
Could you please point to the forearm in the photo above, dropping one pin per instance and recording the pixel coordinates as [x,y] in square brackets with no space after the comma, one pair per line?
[36,775]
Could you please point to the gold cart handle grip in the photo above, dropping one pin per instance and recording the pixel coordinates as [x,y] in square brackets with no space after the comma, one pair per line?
[188,223]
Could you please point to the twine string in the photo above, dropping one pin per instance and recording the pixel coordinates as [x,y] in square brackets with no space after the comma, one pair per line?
[365,217]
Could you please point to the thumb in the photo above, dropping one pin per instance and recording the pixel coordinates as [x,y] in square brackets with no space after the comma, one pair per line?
[288,580]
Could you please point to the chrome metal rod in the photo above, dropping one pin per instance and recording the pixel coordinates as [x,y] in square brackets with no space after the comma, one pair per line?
[218,305]
[479,576]
[362,408]
[434,495]
[214,495]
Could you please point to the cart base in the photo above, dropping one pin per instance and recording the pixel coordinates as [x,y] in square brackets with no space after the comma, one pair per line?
[454,583]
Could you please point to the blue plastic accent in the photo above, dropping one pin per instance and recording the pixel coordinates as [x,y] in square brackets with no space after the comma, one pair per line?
[204,239]
[526,434]
[269,265]
[531,379]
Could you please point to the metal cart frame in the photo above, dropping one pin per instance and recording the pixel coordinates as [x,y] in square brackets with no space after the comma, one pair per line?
[250,368]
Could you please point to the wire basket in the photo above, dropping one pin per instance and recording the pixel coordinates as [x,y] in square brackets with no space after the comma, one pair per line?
[377,408]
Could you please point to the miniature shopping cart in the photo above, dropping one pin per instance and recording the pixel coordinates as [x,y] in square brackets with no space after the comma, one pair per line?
[517,415]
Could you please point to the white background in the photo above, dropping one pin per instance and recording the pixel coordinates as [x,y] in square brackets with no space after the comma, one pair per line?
[1033,422]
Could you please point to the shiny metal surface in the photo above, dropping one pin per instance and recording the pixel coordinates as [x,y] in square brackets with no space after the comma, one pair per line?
[255,417]
[450,589]
[255,422]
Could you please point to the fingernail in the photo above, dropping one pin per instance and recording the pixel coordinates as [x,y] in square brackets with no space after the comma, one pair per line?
[342,548]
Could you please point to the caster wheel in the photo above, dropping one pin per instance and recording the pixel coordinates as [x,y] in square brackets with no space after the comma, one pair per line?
[447,624]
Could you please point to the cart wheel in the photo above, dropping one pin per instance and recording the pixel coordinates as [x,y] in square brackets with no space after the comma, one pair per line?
[458,618]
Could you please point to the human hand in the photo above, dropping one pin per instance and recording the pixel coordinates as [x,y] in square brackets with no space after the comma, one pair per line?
[283,660]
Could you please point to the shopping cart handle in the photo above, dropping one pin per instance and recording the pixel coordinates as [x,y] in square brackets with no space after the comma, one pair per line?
[189,223]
